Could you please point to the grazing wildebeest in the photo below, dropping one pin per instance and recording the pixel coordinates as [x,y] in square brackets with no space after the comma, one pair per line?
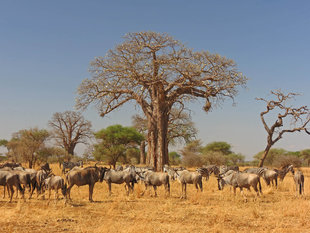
[186,177]
[240,180]
[284,170]
[299,180]
[9,180]
[55,183]
[155,179]
[127,176]
[69,165]
[87,176]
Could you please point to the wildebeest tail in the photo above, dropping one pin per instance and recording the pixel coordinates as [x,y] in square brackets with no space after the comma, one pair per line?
[28,181]
[300,188]
[20,188]
[64,189]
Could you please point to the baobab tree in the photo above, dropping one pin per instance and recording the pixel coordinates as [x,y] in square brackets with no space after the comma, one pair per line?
[157,72]
[70,128]
[289,119]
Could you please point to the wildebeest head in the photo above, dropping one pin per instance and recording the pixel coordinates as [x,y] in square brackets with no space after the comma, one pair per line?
[102,171]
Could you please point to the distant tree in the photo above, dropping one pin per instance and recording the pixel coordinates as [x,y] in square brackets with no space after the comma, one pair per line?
[191,154]
[233,159]
[213,157]
[28,145]
[305,155]
[222,147]
[158,73]
[69,129]
[114,141]
[296,119]
[174,158]
[273,155]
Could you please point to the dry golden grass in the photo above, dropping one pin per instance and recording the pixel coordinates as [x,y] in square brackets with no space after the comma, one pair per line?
[278,210]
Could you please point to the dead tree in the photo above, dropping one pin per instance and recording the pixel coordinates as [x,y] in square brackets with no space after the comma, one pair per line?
[289,119]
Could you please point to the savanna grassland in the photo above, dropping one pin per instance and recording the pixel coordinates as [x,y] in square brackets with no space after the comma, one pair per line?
[277,210]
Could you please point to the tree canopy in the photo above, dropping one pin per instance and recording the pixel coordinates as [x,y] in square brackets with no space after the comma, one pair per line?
[114,141]
[157,72]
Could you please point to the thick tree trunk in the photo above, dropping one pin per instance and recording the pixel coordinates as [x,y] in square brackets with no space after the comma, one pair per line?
[262,160]
[162,140]
[142,152]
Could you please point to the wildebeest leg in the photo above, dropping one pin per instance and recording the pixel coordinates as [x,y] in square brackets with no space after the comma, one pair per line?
[200,185]
[11,192]
[91,188]
[33,188]
[144,190]
[155,188]
[110,188]
[69,190]
[49,194]
[4,190]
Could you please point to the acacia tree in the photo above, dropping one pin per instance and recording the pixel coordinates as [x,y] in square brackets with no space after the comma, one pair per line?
[114,142]
[27,145]
[289,119]
[70,128]
[157,72]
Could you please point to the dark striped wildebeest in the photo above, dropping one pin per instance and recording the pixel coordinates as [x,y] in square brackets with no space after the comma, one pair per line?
[67,166]
[87,176]
[299,180]
[271,177]
[284,170]
[186,177]
[224,168]
[240,180]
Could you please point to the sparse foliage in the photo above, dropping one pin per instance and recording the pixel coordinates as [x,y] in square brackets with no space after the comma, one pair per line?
[289,119]
[70,128]
[158,73]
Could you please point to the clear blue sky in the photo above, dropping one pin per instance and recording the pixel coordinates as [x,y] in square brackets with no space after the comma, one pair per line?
[46,47]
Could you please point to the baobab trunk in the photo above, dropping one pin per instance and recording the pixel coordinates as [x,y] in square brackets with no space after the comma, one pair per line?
[162,140]
[142,152]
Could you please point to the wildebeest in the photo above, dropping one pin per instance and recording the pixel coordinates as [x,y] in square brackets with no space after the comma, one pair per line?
[284,170]
[271,177]
[155,179]
[299,181]
[127,176]
[10,164]
[186,177]
[204,172]
[24,178]
[9,180]
[212,169]
[41,175]
[87,176]
[240,180]
[224,168]
[69,165]
[55,183]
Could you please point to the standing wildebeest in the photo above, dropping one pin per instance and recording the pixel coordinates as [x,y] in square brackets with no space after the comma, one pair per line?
[69,165]
[204,172]
[155,179]
[55,182]
[284,170]
[10,165]
[186,177]
[9,179]
[24,178]
[87,176]
[299,181]
[270,176]
[127,176]
[240,180]
[41,175]
[224,168]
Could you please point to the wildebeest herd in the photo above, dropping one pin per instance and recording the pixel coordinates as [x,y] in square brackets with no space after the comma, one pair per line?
[14,175]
